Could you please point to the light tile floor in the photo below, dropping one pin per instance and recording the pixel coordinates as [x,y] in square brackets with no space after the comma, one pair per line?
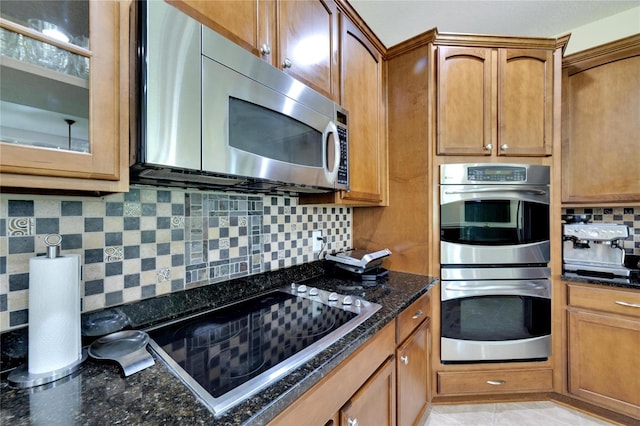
[537,413]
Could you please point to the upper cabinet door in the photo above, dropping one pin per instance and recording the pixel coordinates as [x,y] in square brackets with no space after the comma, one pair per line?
[308,51]
[494,101]
[299,37]
[362,96]
[525,102]
[249,23]
[465,107]
[61,93]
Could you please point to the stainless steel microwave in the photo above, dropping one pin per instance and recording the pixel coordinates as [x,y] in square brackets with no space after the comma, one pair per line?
[211,114]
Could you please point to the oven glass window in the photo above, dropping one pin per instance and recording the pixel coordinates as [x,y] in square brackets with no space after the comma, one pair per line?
[273,135]
[496,318]
[494,222]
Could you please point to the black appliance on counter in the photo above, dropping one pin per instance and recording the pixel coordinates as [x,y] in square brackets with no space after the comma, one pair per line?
[494,254]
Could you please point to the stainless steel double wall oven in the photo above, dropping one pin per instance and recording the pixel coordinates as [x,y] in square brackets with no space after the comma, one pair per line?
[494,255]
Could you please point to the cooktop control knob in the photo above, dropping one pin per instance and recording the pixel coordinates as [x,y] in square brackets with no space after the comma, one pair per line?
[348,300]
[333,297]
[302,288]
[313,291]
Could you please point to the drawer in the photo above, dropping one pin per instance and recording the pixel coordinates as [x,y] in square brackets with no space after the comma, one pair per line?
[617,301]
[412,317]
[499,381]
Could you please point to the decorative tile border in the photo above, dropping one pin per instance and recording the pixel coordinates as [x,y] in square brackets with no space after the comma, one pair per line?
[153,241]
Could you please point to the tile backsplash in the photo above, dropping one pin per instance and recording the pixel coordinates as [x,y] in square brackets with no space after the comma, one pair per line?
[629,216]
[153,241]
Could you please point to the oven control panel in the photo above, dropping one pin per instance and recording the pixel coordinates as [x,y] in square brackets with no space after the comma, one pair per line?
[494,174]
[497,174]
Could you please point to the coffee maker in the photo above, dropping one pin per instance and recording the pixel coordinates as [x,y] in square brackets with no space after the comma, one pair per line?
[596,250]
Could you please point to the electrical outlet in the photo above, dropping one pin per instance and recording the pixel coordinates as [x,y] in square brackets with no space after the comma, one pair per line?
[316,237]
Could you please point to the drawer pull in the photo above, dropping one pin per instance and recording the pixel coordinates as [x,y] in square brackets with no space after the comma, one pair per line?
[496,382]
[631,305]
[418,314]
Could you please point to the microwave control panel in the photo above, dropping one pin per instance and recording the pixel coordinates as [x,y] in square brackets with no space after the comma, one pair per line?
[343,168]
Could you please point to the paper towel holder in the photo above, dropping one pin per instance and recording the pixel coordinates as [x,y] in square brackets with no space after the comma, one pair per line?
[21,377]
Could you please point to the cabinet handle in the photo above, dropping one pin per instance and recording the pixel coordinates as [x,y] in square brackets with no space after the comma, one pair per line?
[418,314]
[496,382]
[286,63]
[488,147]
[504,147]
[352,422]
[631,305]
[265,49]
[404,359]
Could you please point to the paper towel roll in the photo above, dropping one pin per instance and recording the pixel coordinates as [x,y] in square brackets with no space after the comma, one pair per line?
[54,313]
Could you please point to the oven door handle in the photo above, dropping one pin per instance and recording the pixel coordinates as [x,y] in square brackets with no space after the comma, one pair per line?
[498,190]
[494,288]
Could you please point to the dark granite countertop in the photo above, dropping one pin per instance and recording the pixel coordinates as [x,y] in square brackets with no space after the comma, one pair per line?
[99,394]
[631,284]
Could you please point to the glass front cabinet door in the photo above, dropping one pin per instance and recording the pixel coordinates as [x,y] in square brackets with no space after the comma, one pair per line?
[62,95]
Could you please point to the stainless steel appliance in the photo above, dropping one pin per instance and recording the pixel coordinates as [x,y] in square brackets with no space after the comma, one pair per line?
[596,250]
[228,354]
[495,287]
[213,115]
[360,262]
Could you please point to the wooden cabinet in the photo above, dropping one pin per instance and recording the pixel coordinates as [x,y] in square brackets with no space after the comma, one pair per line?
[413,361]
[374,403]
[495,381]
[363,96]
[362,84]
[365,374]
[600,141]
[103,165]
[299,37]
[414,387]
[494,101]
[604,337]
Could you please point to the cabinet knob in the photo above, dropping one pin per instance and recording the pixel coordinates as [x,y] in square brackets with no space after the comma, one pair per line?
[504,147]
[286,63]
[352,422]
[404,359]
[265,49]
[488,147]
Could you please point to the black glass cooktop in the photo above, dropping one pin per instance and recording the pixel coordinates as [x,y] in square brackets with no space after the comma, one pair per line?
[228,347]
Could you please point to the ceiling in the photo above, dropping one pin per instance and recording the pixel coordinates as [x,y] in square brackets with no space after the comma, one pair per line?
[394,21]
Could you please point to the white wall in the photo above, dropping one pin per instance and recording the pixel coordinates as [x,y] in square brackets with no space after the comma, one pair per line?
[604,30]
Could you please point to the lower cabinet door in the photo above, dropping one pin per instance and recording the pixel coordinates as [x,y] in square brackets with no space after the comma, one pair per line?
[374,403]
[412,359]
[604,361]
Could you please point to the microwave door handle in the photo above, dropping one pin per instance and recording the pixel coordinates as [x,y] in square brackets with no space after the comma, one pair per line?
[331,132]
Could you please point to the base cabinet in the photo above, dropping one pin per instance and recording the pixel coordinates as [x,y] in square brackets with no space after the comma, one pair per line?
[414,387]
[374,403]
[604,348]
[495,382]
[358,382]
